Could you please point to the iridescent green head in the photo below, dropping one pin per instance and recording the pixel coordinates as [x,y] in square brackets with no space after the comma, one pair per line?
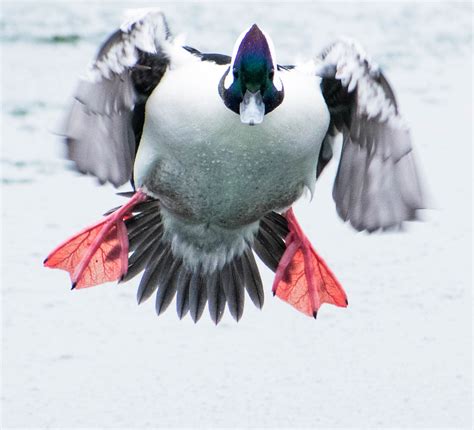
[250,87]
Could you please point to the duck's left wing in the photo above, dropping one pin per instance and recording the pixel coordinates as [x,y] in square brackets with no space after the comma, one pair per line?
[105,120]
[377,184]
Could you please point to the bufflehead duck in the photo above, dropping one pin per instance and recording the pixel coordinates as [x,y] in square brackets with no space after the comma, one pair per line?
[218,148]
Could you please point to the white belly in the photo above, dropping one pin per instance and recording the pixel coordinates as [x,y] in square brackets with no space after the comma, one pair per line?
[205,165]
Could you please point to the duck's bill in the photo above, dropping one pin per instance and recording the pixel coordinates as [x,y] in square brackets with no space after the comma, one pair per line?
[252,108]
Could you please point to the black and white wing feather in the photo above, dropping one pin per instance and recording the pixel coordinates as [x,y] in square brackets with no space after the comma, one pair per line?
[377,184]
[105,120]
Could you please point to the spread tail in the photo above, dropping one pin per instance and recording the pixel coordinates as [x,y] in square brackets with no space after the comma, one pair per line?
[168,275]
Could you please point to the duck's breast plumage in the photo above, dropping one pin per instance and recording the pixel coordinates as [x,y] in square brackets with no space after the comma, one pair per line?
[204,164]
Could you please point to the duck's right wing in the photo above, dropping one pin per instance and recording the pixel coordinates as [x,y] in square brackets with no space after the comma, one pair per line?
[105,120]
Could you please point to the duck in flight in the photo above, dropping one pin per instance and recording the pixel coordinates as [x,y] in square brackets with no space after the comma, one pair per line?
[218,148]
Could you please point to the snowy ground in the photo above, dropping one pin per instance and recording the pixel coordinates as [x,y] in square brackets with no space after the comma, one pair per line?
[399,356]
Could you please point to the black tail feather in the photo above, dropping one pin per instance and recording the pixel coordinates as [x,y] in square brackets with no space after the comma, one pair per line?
[144,236]
[197,295]
[253,282]
[268,243]
[274,246]
[137,222]
[233,290]
[182,299]
[277,223]
[261,248]
[151,206]
[277,243]
[139,259]
[149,282]
[216,296]
[167,288]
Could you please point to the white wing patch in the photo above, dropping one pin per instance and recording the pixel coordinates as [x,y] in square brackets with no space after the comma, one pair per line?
[355,69]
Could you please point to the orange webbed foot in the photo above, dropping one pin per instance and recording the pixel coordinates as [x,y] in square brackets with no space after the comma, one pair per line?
[303,278]
[99,253]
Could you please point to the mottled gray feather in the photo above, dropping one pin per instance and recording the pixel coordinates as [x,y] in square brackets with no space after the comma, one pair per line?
[107,96]
[102,145]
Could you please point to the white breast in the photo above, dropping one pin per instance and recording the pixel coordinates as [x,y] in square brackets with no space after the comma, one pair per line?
[198,154]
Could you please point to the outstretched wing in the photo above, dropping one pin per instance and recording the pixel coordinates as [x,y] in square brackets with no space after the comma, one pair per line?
[105,121]
[377,184]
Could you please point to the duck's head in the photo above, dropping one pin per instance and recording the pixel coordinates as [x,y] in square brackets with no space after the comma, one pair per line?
[251,86]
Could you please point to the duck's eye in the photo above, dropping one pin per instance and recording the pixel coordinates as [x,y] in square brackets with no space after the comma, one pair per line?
[235,73]
[271,74]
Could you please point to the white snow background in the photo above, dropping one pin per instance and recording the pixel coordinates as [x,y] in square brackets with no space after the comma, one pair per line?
[399,356]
